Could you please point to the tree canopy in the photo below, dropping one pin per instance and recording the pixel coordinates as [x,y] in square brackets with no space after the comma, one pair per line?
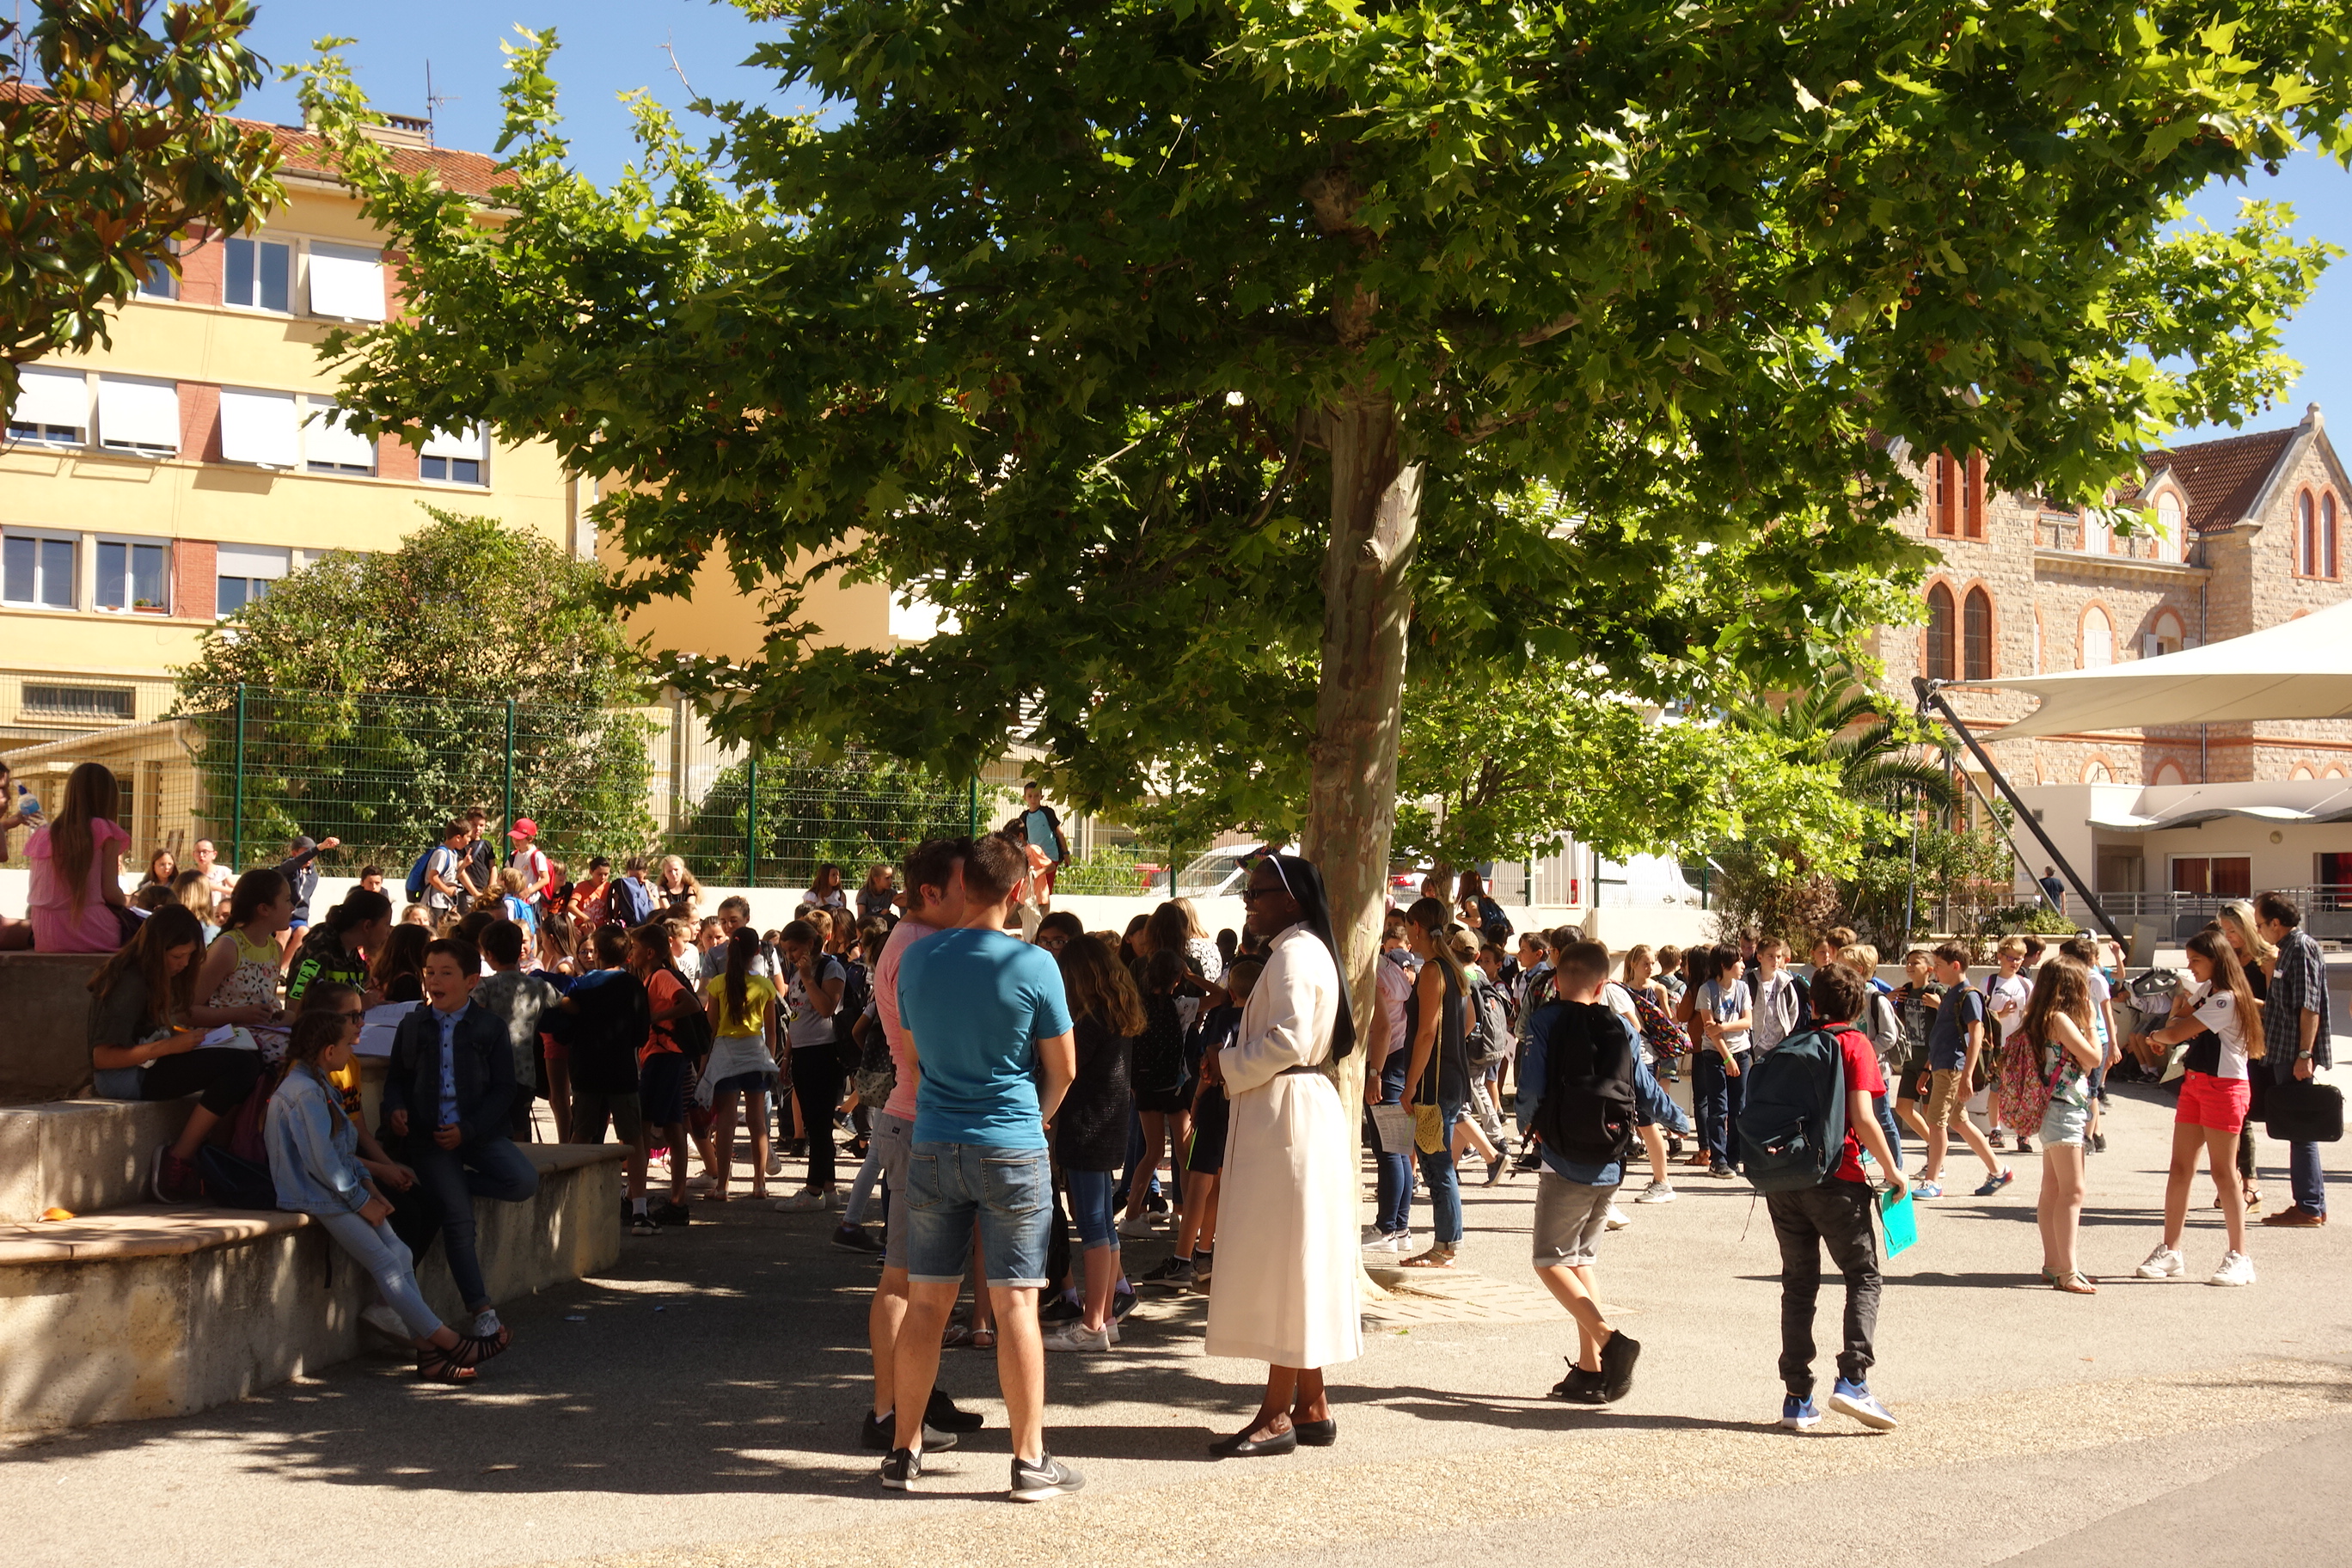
[115,142]
[1201,355]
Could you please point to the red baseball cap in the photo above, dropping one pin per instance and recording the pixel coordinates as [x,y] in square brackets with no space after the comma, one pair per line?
[524,828]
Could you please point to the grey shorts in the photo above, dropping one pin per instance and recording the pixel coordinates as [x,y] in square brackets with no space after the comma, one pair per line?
[894,1141]
[2064,1122]
[1569,1220]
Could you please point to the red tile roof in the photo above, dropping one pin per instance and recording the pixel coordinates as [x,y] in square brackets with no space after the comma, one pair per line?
[2222,477]
[304,152]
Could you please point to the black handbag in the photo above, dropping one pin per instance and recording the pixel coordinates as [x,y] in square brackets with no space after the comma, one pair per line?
[2303,1110]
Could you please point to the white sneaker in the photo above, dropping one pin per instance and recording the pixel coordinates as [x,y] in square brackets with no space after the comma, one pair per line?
[1135,1226]
[1617,1218]
[1658,1193]
[2237,1268]
[1380,1241]
[487,1324]
[1074,1335]
[808,1200]
[2163,1263]
[775,1164]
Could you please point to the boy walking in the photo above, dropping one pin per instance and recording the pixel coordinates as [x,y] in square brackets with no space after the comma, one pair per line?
[1581,1081]
[1835,1215]
[1955,1044]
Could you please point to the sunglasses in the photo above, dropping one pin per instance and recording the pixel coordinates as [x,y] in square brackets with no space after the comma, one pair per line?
[1252,895]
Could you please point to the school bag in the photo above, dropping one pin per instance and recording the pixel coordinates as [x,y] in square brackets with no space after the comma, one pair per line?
[1792,1127]
[1885,1029]
[1586,1114]
[856,990]
[876,1077]
[1666,1038]
[628,902]
[416,876]
[1491,1037]
[693,1033]
[1493,923]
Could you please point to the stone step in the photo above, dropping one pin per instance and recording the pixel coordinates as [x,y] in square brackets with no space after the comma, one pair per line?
[81,1155]
[145,1311]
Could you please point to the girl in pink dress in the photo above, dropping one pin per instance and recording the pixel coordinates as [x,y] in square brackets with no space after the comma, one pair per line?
[76,903]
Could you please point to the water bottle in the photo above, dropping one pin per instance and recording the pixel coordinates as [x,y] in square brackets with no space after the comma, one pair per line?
[26,803]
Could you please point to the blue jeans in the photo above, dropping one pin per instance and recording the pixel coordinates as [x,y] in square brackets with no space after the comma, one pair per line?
[1009,1191]
[1394,1207]
[452,1179]
[1094,1206]
[385,1257]
[1445,1186]
[1886,1120]
[1716,1096]
[2306,1178]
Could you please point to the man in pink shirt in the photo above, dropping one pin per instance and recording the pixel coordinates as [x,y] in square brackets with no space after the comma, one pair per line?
[935,901]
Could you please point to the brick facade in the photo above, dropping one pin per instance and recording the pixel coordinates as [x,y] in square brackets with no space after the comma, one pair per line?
[2056,593]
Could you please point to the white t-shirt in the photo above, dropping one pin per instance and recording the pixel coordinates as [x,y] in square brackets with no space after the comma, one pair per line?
[2100,992]
[2006,1000]
[2217,1008]
[1620,1002]
[1395,982]
[809,1027]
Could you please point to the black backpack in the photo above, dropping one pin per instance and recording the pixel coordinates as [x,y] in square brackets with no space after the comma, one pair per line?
[1491,1035]
[1793,1127]
[1586,1114]
[856,991]
[693,1033]
[604,1037]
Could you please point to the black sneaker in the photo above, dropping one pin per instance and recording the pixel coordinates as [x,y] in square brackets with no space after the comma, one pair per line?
[2098,1142]
[901,1468]
[1060,1309]
[669,1212]
[879,1430]
[1153,1203]
[856,1239]
[942,1414]
[1041,1482]
[1175,1274]
[1121,1304]
[1617,1359]
[643,1225]
[1578,1387]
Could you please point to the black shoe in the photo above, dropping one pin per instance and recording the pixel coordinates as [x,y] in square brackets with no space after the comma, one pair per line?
[856,1238]
[1578,1387]
[1044,1481]
[643,1225]
[879,1432]
[1155,1202]
[1241,1446]
[1317,1433]
[942,1414]
[2098,1142]
[1171,1274]
[668,1212]
[901,1470]
[1122,1305]
[1617,1359]
[1060,1309]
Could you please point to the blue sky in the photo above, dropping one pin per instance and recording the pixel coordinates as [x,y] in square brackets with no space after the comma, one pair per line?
[610,48]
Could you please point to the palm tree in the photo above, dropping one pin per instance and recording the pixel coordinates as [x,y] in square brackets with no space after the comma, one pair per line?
[1843,723]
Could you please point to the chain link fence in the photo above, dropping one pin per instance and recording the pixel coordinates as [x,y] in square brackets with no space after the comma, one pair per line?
[385,773]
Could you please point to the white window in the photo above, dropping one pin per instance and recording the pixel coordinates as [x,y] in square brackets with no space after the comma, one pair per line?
[260,427]
[329,446]
[455,458]
[37,570]
[2099,639]
[2098,535]
[139,417]
[134,574]
[247,572]
[52,408]
[2168,518]
[259,274]
[346,282]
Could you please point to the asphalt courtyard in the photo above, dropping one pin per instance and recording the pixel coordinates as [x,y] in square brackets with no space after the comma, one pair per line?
[700,1406]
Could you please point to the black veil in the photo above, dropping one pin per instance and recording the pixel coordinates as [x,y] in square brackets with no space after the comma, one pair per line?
[1305,881]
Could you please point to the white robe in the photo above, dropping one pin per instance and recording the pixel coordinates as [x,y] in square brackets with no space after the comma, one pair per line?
[1285,1288]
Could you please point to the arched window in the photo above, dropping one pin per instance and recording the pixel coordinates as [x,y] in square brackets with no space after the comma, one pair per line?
[2302,771]
[1976,635]
[2164,635]
[2099,639]
[2169,772]
[2306,536]
[2095,771]
[2328,535]
[2171,545]
[1939,633]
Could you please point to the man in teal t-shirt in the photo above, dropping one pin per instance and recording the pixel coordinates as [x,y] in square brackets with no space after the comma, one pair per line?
[988,1035]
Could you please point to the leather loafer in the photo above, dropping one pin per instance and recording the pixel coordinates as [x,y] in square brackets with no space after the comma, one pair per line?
[1241,1446]
[2295,1218]
[1317,1433]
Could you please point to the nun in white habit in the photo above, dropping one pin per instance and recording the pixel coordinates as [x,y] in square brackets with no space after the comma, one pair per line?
[1284,1291]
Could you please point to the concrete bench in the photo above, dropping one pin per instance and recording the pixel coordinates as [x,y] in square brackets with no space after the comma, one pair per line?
[44,1045]
[81,1155]
[146,1310]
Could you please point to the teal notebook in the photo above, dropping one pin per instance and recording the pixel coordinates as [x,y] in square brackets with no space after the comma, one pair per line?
[1901,1220]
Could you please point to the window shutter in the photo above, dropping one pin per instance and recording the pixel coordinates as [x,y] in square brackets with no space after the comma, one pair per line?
[250,560]
[326,440]
[52,397]
[346,282]
[139,412]
[260,427]
[465,443]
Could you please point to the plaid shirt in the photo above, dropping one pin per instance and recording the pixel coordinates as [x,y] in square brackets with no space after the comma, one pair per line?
[2298,984]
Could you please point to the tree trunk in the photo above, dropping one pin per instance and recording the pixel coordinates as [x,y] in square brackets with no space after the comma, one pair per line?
[1367,604]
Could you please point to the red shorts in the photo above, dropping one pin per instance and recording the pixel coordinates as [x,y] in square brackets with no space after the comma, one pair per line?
[2218,1103]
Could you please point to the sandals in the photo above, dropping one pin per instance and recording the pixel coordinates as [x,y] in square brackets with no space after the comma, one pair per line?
[984,1338]
[2075,1284]
[434,1365]
[1435,1258]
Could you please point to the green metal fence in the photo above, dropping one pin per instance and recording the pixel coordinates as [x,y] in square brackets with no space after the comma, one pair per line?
[385,773]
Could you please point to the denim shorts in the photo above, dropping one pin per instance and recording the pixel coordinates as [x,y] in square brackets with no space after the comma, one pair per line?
[1009,1191]
[1094,1206]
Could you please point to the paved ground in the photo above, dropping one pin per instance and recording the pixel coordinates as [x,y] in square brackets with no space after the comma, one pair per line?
[700,1406]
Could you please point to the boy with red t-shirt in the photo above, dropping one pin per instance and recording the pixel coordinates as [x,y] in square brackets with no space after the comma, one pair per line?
[1836,1214]
[661,1066]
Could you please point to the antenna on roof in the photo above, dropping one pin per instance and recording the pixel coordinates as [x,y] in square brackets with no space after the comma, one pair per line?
[433,102]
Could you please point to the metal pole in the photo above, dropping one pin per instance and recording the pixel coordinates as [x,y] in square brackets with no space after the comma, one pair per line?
[751,820]
[237,809]
[972,813]
[510,782]
[1930,696]
[1911,891]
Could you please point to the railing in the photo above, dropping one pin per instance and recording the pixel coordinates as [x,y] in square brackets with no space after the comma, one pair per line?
[2326,910]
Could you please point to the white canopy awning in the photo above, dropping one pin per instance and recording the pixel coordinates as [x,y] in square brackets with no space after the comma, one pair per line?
[2298,670]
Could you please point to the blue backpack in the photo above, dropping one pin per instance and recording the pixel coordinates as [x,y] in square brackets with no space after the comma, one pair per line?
[416,876]
[1793,1127]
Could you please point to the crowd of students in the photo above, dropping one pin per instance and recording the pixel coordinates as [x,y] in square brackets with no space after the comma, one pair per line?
[1045,1096]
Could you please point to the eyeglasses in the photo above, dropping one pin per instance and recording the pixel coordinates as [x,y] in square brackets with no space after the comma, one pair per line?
[351,1016]
[1252,895]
